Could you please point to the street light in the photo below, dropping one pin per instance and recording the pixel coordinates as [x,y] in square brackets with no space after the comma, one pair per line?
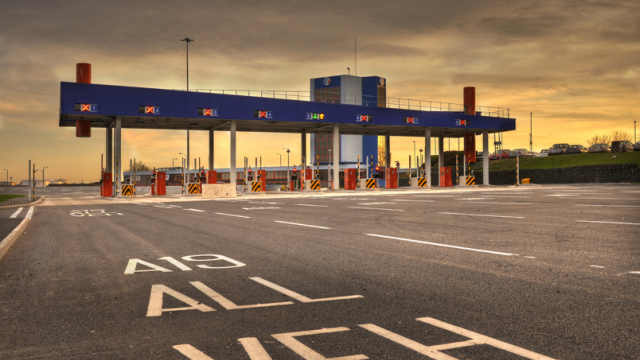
[173,162]
[187,40]
[330,162]
[419,161]
[44,167]
[288,178]
[7,176]
[280,159]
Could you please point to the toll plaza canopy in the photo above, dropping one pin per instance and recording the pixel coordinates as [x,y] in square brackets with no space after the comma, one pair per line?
[145,108]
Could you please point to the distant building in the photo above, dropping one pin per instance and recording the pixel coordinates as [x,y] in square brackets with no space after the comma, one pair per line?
[46,182]
[10,183]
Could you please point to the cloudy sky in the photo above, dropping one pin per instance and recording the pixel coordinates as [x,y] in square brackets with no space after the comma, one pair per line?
[574,64]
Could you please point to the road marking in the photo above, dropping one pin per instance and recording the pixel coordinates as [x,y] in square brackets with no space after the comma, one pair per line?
[15,214]
[355,207]
[192,353]
[480,198]
[241,216]
[414,200]
[313,226]
[228,304]
[499,216]
[194,210]
[498,203]
[634,272]
[262,208]
[607,222]
[155,301]
[530,257]
[288,340]
[312,205]
[254,349]
[597,266]
[33,208]
[509,196]
[376,203]
[297,296]
[633,206]
[443,245]
[481,339]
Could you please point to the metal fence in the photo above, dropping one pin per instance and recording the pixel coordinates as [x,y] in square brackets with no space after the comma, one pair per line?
[366,100]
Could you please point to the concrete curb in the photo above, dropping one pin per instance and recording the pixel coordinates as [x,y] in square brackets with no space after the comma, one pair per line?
[15,234]
[23,205]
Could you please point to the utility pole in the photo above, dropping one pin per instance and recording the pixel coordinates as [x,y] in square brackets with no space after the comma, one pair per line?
[635,139]
[44,167]
[531,134]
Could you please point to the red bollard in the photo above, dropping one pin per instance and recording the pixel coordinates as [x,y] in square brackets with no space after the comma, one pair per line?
[161,183]
[107,184]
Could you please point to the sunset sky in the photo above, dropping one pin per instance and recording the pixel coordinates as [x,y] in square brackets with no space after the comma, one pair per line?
[574,64]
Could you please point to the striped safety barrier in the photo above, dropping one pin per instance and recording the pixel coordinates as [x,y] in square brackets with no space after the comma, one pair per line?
[371,183]
[471,180]
[422,182]
[194,189]
[315,185]
[256,186]
[127,190]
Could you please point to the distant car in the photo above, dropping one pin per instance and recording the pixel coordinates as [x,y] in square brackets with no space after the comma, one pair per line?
[500,154]
[575,149]
[543,153]
[636,146]
[599,148]
[626,145]
[557,149]
[517,152]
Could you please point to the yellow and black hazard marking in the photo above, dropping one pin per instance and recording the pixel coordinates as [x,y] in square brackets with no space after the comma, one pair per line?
[256,186]
[194,188]
[371,183]
[127,190]
[422,182]
[471,180]
[315,185]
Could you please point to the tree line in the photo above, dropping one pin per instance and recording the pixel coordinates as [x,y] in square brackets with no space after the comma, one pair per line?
[607,139]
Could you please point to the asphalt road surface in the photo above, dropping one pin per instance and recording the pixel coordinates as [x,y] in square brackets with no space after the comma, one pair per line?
[545,272]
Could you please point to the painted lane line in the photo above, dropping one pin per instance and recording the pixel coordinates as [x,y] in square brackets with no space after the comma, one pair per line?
[634,272]
[366,208]
[530,257]
[607,222]
[377,203]
[633,206]
[262,208]
[240,216]
[312,205]
[499,216]
[443,245]
[508,196]
[480,198]
[415,200]
[498,203]
[30,213]
[191,352]
[15,214]
[313,226]
[300,297]
[194,210]
[597,266]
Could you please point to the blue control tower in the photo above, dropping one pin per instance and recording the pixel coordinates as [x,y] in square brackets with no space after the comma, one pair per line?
[355,90]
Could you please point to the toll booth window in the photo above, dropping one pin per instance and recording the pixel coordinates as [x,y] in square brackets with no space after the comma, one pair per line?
[382,96]
[327,95]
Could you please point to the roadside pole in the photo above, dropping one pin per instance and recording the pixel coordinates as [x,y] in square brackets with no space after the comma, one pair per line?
[457,176]
[29,171]
[517,169]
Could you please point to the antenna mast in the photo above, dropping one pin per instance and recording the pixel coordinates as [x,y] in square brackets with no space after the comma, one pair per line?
[356,56]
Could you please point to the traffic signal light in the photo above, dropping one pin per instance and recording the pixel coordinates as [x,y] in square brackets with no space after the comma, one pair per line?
[153,176]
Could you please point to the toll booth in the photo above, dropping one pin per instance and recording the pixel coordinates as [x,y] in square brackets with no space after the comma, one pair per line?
[161,183]
[391,178]
[107,185]
[445,177]
[349,179]
[212,177]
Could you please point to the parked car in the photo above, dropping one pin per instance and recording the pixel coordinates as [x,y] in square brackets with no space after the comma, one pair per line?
[575,149]
[636,146]
[500,154]
[599,148]
[626,145]
[543,153]
[517,152]
[557,149]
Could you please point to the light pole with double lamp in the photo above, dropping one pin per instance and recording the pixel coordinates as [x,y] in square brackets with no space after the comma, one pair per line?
[187,40]
[173,162]
[280,159]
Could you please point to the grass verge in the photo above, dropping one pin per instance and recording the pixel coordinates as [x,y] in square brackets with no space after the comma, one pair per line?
[561,161]
[7,197]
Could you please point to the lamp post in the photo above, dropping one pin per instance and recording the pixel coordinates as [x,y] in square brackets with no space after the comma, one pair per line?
[288,178]
[280,159]
[173,162]
[419,161]
[635,139]
[187,40]
[531,134]
[329,170]
[7,176]
[44,167]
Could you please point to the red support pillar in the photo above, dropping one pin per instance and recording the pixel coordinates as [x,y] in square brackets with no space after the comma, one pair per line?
[83,76]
